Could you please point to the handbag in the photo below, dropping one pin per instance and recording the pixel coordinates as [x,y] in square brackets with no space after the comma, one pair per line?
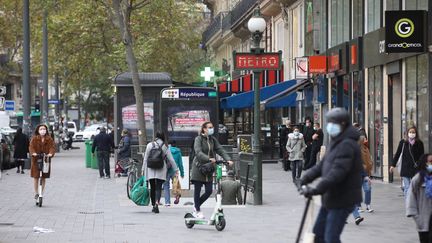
[140,194]
[206,169]
[176,186]
[399,162]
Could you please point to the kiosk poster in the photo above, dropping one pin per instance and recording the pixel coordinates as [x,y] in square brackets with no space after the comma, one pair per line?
[190,120]
[130,118]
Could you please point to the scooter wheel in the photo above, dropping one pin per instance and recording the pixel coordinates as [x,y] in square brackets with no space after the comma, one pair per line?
[221,224]
[189,225]
[40,202]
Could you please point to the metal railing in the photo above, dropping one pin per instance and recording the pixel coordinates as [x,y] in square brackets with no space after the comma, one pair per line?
[214,26]
[242,8]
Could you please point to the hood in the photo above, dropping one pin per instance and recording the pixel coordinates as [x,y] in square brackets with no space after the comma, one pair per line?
[349,133]
[291,135]
[175,150]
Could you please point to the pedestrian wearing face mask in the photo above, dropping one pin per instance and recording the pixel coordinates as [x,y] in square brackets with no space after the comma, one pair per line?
[205,147]
[340,174]
[411,148]
[41,142]
[295,147]
[317,142]
[419,199]
[308,133]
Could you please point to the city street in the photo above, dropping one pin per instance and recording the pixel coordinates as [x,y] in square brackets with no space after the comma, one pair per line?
[81,207]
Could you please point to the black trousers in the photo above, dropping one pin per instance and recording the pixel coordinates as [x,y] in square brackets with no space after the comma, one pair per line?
[313,157]
[426,237]
[19,163]
[155,190]
[307,153]
[199,200]
[103,162]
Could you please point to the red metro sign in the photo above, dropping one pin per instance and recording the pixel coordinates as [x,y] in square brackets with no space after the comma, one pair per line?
[252,61]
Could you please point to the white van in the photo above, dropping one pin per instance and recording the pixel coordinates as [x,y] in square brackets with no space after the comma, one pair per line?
[72,128]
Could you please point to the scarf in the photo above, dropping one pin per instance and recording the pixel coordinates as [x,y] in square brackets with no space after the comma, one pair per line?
[428,184]
[411,141]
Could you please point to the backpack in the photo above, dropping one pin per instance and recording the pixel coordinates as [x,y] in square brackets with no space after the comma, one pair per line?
[155,159]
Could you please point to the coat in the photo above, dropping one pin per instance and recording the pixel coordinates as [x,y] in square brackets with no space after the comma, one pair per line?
[162,172]
[366,158]
[410,156]
[177,155]
[231,192]
[124,148]
[103,142]
[295,147]
[21,146]
[340,172]
[418,205]
[37,146]
[205,148]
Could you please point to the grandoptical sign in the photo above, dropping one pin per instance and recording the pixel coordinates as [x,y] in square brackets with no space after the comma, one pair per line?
[262,61]
[405,31]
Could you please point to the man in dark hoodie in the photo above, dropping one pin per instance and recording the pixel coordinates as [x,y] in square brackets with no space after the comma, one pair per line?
[341,177]
[103,143]
[308,133]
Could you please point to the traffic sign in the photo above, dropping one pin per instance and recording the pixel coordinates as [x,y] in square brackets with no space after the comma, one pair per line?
[2,90]
[9,105]
[2,101]
[54,102]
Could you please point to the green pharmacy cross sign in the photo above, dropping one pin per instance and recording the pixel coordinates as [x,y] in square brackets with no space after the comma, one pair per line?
[207,74]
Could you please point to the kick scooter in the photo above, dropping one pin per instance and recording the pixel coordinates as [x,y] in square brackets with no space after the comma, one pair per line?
[42,159]
[217,218]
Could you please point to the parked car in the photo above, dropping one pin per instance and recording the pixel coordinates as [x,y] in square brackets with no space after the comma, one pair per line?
[72,128]
[88,133]
[6,152]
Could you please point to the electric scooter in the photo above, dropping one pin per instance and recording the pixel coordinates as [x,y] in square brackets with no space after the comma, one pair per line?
[217,218]
[43,166]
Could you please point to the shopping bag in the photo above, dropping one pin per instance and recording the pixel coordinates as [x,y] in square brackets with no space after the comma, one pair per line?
[140,194]
[176,187]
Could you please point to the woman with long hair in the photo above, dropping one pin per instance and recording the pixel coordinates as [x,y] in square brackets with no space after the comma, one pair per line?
[419,199]
[411,148]
[41,142]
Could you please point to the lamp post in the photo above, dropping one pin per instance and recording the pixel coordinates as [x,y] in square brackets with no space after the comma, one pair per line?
[256,26]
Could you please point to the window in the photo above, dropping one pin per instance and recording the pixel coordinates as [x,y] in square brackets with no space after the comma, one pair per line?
[392,4]
[357,90]
[339,21]
[375,118]
[357,17]
[416,4]
[373,15]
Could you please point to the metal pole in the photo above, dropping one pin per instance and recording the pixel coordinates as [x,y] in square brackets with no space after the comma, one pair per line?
[256,145]
[26,67]
[57,96]
[45,67]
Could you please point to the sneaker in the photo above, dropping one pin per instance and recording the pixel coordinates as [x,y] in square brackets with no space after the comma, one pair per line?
[369,210]
[18,171]
[107,177]
[167,205]
[360,210]
[156,209]
[358,220]
[36,196]
[22,171]
[200,215]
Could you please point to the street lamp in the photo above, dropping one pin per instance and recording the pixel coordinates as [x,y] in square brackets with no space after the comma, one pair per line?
[256,26]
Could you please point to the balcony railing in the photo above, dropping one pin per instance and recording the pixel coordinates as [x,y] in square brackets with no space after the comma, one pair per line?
[214,26]
[226,21]
[241,9]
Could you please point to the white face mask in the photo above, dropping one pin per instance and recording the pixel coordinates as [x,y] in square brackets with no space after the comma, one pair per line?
[411,135]
[333,129]
[210,131]
[296,133]
[42,132]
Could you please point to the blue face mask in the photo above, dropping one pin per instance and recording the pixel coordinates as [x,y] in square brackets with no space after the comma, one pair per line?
[333,129]
[210,131]
[296,133]
[429,168]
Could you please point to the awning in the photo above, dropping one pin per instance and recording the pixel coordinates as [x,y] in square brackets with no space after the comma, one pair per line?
[286,98]
[246,99]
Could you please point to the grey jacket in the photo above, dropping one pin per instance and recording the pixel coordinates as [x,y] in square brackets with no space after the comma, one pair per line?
[158,173]
[231,192]
[418,205]
[205,148]
[295,147]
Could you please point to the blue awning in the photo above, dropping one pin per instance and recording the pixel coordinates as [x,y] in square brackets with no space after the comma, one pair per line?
[246,99]
[284,101]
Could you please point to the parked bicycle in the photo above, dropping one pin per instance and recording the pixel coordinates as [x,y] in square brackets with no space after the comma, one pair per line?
[132,169]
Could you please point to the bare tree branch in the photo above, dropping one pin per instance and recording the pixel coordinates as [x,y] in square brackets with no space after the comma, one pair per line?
[140,4]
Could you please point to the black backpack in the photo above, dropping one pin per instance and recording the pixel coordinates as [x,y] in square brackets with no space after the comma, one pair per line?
[155,159]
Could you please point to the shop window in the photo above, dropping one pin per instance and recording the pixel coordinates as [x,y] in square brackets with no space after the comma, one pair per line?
[373,15]
[357,90]
[375,118]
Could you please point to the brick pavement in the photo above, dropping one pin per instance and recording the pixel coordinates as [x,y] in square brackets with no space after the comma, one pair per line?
[74,190]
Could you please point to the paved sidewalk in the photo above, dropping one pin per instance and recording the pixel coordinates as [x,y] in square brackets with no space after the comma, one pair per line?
[80,207]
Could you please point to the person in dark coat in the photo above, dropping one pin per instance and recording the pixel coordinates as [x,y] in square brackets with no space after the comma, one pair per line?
[317,142]
[308,132]
[21,149]
[411,148]
[103,143]
[340,174]
[231,190]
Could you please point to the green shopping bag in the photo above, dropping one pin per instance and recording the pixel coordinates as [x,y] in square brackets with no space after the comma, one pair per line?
[140,194]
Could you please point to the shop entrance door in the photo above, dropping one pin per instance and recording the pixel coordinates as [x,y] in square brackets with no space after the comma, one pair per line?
[395,115]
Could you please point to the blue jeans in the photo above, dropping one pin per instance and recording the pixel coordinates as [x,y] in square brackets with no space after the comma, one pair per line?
[296,169]
[356,213]
[367,188]
[166,188]
[406,183]
[329,224]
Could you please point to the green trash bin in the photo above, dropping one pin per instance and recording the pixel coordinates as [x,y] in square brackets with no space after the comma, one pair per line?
[94,161]
[88,146]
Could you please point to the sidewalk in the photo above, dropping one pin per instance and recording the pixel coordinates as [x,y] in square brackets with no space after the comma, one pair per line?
[81,207]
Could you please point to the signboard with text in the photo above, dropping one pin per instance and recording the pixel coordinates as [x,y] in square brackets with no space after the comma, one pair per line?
[301,68]
[405,31]
[317,64]
[252,61]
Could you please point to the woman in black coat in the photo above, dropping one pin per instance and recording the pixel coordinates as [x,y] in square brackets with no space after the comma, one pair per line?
[411,148]
[21,149]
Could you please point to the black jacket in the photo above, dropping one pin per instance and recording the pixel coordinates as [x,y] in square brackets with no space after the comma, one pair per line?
[319,142]
[411,155]
[308,132]
[21,146]
[340,172]
[103,142]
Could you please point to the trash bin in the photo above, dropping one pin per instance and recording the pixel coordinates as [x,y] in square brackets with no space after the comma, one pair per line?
[88,159]
[94,161]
